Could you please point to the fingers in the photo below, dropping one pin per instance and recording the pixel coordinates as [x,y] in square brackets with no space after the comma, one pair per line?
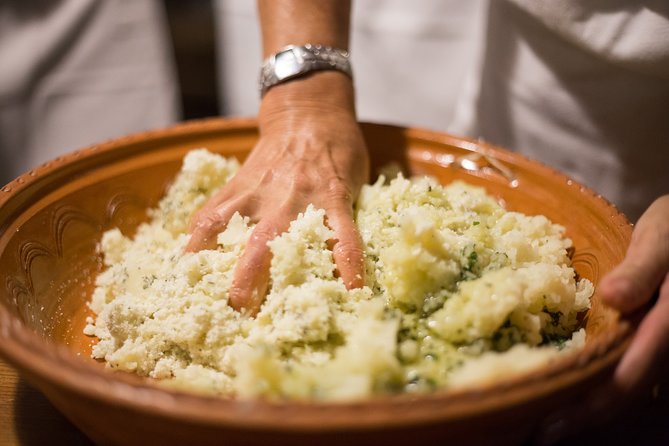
[208,223]
[251,278]
[632,283]
[649,347]
[643,365]
[347,250]
[218,199]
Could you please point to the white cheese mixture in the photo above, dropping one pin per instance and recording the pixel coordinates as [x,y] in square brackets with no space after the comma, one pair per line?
[458,292]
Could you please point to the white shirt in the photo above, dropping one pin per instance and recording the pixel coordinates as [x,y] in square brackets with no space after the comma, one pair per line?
[581,86]
[77,72]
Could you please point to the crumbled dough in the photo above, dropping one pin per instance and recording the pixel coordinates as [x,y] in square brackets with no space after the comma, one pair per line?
[458,291]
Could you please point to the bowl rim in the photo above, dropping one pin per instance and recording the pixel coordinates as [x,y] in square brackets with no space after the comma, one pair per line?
[53,366]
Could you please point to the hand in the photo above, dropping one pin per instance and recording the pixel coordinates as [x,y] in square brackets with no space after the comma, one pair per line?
[308,152]
[629,287]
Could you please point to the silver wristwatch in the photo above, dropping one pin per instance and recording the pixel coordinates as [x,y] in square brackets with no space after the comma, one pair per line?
[294,61]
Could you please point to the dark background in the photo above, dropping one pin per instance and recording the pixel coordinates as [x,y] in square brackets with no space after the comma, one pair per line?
[193,34]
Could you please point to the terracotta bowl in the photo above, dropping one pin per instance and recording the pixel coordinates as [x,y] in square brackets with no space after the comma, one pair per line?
[52,218]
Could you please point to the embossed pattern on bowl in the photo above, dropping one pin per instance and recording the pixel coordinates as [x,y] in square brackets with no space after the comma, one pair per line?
[52,218]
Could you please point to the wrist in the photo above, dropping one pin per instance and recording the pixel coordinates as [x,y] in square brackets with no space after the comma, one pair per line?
[318,93]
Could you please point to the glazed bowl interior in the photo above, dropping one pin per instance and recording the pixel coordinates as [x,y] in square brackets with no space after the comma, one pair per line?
[52,219]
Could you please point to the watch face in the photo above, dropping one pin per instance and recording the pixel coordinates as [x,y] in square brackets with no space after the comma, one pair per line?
[286,64]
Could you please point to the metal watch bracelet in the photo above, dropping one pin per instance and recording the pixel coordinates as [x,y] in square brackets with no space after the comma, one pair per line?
[297,60]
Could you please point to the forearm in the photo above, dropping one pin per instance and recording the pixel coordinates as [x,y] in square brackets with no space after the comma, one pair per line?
[297,22]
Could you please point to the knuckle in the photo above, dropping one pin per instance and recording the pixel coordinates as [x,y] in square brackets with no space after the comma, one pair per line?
[261,235]
[204,219]
[338,191]
[350,250]
[253,263]
[197,218]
